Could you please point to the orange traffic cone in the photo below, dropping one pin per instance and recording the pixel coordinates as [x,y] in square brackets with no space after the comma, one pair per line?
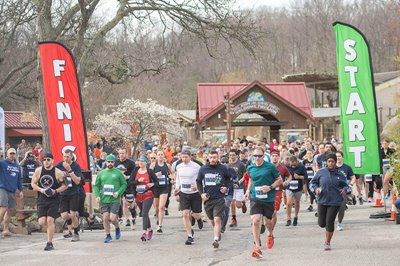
[378,199]
[393,210]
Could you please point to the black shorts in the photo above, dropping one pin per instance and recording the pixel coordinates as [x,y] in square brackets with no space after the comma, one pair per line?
[264,208]
[69,203]
[214,208]
[48,208]
[157,191]
[190,202]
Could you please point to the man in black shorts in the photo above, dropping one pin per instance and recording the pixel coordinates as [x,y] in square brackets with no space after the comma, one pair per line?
[213,182]
[189,197]
[48,181]
[69,204]
[264,179]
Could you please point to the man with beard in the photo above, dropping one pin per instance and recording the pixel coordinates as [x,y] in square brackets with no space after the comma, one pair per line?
[108,189]
[213,182]
[48,181]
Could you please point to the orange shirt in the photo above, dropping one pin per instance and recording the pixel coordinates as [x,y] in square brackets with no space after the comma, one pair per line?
[97,153]
[169,154]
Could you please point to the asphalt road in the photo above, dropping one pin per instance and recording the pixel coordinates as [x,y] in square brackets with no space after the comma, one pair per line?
[363,242]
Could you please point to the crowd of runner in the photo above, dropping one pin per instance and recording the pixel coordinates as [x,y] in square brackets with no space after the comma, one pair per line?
[261,177]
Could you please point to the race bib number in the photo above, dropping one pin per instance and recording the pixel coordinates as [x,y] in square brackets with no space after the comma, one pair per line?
[260,194]
[293,185]
[108,190]
[368,178]
[162,180]
[30,174]
[186,187]
[69,181]
[141,189]
[210,179]
[386,163]
[310,174]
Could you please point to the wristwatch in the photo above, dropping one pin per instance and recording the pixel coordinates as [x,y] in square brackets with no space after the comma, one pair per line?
[70,171]
[271,187]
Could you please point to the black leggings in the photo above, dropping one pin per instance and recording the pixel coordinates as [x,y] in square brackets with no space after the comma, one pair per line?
[378,181]
[312,196]
[327,216]
[145,207]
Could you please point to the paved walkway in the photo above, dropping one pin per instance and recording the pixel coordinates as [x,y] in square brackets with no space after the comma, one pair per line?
[364,242]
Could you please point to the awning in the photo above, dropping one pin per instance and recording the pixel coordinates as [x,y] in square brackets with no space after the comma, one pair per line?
[24,132]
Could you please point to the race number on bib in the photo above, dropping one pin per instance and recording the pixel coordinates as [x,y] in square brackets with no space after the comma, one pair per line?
[294,184]
[210,179]
[69,181]
[310,174]
[30,174]
[260,194]
[386,163]
[162,180]
[108,190]
[368,178]
[141,188]
[186,187]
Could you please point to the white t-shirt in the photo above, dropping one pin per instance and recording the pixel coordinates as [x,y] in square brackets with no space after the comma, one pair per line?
[186,175]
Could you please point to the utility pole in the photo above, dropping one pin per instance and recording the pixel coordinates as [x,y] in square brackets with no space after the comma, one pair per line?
[227,103]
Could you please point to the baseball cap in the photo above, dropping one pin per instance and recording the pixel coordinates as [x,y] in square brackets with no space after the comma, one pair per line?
[48,155]
[110,157]
[186,152]
[11,150]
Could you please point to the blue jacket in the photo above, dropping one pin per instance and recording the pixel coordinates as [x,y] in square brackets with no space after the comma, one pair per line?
[10,176]
[330,183]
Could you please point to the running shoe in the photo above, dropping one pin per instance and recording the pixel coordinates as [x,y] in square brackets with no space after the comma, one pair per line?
[353,198]
[223,228]
[215,244]
[295,221]
[117,233]
[233,223]
[327,246]
[340,227]
[270,242]
[189,241]
[75,237]
[244,207]
[288,222]
[166,212]
[370,199]
[128,223]
[200,223]
[68,235]
[49,246]
[133,221]
[310,208]
[159,230]
[257,253]
[360,201]
[107,239]
[262,230]
[149,235]
[143,237]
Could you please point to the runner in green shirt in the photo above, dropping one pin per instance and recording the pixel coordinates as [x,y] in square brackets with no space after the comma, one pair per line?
[108,189]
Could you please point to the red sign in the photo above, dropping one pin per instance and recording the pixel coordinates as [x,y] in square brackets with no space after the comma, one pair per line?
[63,103]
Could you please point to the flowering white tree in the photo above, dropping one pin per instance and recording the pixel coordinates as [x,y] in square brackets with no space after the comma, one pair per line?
[134,121]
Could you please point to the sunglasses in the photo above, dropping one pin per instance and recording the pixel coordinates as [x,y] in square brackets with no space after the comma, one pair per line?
[258,155]
[153,158]
[224,162]
[11,153]
[110,161]
[47,160]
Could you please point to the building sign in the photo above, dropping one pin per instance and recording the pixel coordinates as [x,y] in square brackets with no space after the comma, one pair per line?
[255,102]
